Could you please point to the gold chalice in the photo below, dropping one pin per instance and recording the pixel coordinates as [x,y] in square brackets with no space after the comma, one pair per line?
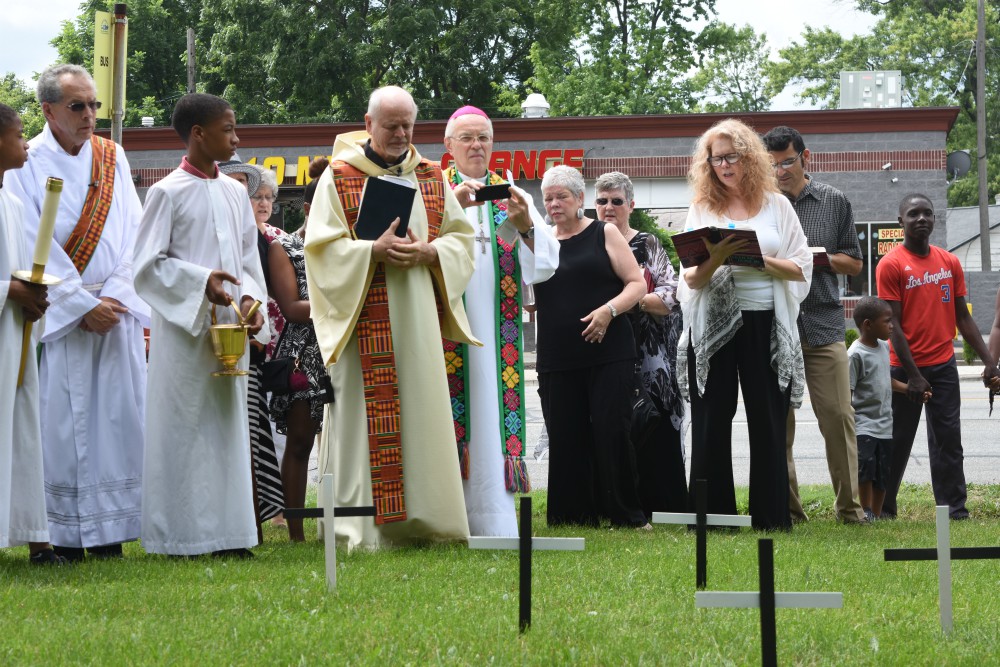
[229,342]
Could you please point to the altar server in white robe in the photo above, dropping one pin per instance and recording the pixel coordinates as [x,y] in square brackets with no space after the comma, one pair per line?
[487,387]
[198,247]
[93,364]
[22,495]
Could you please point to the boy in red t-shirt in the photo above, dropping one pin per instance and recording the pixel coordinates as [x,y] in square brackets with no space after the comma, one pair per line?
[925,287]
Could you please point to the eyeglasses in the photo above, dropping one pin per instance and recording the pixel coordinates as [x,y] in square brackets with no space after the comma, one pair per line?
[270,198]
[731,158]
[603,201]
[78,107]
[469,139]
[787,164]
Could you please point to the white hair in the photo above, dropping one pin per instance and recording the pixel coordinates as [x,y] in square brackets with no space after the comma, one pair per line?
[379,94]
[270,179]
[562,176]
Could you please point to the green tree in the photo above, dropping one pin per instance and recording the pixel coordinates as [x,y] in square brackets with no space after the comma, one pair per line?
[156,72]
[932,43]
[259,56]
[644,222]
[21,99]
[733,76]
[626,57]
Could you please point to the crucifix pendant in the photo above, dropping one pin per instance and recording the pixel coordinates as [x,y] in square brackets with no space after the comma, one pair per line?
[483,240]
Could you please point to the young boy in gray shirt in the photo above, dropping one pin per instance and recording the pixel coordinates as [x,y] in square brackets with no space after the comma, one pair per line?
[871,397]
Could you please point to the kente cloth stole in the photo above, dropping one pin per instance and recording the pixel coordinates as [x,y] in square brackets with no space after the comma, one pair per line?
[509,356]
[378,362]
[86,235]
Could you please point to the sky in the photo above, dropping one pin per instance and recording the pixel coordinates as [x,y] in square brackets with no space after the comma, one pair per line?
[28,27]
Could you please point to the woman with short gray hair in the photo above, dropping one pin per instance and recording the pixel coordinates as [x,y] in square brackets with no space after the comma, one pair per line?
[586,363]
[657,324]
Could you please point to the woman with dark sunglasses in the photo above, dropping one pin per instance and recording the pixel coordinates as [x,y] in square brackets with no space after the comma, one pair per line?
[656,324]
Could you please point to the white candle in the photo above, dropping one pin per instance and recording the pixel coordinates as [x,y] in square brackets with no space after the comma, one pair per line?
[46,226]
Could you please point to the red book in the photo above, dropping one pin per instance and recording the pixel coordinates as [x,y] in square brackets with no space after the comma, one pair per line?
[821,260]
[691,250]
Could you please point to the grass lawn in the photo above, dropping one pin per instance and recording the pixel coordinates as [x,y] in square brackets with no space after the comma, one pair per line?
[627,600]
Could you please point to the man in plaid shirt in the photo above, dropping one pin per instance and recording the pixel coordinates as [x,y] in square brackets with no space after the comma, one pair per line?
[828,221]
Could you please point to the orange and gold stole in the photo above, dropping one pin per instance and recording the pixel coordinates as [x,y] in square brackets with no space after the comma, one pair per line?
[374,332]
[86,235]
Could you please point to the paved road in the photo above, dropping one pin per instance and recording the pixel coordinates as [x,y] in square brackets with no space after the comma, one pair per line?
[980,435]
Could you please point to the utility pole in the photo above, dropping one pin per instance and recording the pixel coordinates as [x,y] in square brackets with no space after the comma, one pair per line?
[984,205]
[190,60]
[118,75]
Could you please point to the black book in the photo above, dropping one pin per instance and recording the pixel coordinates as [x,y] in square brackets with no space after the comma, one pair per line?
[384,199]
[691,250]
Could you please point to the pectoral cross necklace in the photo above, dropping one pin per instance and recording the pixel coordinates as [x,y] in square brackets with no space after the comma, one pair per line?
[483,237]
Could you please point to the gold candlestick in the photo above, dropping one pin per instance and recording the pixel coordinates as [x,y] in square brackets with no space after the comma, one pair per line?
[37,275]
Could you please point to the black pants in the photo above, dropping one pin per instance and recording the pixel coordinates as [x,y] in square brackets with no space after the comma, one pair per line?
[747,360]
[660,464]
[592,472]
[944,439]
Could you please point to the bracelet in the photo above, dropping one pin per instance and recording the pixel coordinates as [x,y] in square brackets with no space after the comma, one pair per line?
[642,304]
[614,313]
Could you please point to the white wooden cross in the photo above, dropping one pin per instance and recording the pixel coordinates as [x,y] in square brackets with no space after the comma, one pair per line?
[944,553]
[701,520]
[525,543]
[767,600]
[325,513]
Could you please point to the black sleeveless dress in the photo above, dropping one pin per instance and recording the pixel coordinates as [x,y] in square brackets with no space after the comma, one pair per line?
[586,389]
[584,281]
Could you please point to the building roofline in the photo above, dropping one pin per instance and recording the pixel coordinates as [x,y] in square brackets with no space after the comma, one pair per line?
[835,121]
[977,234]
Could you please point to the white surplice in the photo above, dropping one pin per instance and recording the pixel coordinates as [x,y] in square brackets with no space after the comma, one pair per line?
[92,387]
[490,507]
[197,497]
[22,494]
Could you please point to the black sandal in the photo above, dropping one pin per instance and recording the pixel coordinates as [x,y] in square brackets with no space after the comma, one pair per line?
[47,557]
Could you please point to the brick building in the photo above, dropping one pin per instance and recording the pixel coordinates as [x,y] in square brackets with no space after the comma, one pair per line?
[875,156]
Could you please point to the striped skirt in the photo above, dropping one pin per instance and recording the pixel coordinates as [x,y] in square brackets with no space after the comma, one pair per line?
[270,497]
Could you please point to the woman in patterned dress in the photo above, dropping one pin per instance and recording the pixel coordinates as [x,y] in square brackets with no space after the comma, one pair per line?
[298,415]
[656,323]
[262,188]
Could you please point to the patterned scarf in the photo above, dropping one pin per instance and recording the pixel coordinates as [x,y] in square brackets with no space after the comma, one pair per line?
[510,355]
[374,334]
[86,235]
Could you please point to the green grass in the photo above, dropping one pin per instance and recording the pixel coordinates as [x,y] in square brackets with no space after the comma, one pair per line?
[628,599]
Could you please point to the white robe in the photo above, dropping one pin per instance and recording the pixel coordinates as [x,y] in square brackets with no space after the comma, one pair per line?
[22,495]
[198,496]
[92,386]
[490,507]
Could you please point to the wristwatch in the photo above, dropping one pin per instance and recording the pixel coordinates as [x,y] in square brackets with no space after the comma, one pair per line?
[614,313]
[530,234]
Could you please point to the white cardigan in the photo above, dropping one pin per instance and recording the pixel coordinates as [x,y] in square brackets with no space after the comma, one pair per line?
[712,315]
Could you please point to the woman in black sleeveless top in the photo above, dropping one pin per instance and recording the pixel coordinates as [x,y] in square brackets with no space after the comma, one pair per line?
[586,363]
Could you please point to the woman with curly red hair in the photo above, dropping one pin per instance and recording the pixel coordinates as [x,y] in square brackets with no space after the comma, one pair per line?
[739,322]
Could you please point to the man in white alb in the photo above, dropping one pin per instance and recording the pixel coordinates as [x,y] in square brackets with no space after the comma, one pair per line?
[513,246]
[93,363]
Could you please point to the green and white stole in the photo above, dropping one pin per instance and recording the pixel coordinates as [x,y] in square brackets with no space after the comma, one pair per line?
[508,330]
